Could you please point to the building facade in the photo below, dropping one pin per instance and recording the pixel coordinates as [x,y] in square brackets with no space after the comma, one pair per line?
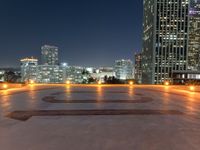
[138,68]
[74,74]
[123,69]
[50,74]
[2,78]
[49,55]
[194,36]
[186,77]
[29,69]
[50,71]
[165,39]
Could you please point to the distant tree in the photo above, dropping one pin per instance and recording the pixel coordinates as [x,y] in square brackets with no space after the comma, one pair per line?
[91,80]
[112,80]
[11,77]
[84,81]
[105,79]
[85,72]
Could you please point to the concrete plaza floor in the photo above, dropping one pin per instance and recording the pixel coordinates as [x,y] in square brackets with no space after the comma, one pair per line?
[138,117]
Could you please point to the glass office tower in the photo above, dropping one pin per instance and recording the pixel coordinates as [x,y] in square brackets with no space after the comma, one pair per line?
[165,39]
[194,36]
[138,68]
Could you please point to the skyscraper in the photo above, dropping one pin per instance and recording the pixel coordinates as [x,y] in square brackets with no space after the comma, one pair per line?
[165,39]
[138,68]
[123,69]
[50,71]
[194,36]
[29,69]
[49,55]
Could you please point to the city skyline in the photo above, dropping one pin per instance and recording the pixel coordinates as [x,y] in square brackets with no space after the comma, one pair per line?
[100,74]
[51,70]
[101,30]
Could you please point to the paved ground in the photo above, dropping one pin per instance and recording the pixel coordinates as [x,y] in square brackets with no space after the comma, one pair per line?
[99,118]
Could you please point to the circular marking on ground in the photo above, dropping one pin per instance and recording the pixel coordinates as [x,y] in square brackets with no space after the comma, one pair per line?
[52,99]
[94,92]
[25,115]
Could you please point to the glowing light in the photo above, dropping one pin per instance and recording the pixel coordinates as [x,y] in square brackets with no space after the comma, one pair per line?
[192,88]
[131,82]
[28,59]
[166,83]
[99,82]
[67,82]
[5,86]
[64,64]
[131,91]
[31,82]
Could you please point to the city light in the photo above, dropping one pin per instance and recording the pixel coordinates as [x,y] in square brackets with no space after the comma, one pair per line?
[64,64]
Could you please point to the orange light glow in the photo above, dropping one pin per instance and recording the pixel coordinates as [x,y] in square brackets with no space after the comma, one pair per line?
[68,82]
[131,82]
[192,88]
[5,86]
[99,82]
[166,83]
[31,82]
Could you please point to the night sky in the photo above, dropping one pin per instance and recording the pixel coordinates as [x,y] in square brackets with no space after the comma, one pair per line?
[87,32]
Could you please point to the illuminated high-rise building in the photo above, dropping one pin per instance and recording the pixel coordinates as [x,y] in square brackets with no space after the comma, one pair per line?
[165,39]
[50,71]
[123,69]
[50,74]
[29,69]
[49,55]
[194,36]
[138,68]
[74,74]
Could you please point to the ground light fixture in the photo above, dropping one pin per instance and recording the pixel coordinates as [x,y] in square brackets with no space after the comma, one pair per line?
[166,83]
[31,82]
[68,82]
[131,83]
[5,86]
[192,88]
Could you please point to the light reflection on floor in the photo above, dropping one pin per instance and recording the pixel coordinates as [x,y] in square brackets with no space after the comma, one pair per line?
[157,116]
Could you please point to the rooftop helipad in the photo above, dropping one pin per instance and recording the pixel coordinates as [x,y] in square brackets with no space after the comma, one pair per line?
[100,117]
